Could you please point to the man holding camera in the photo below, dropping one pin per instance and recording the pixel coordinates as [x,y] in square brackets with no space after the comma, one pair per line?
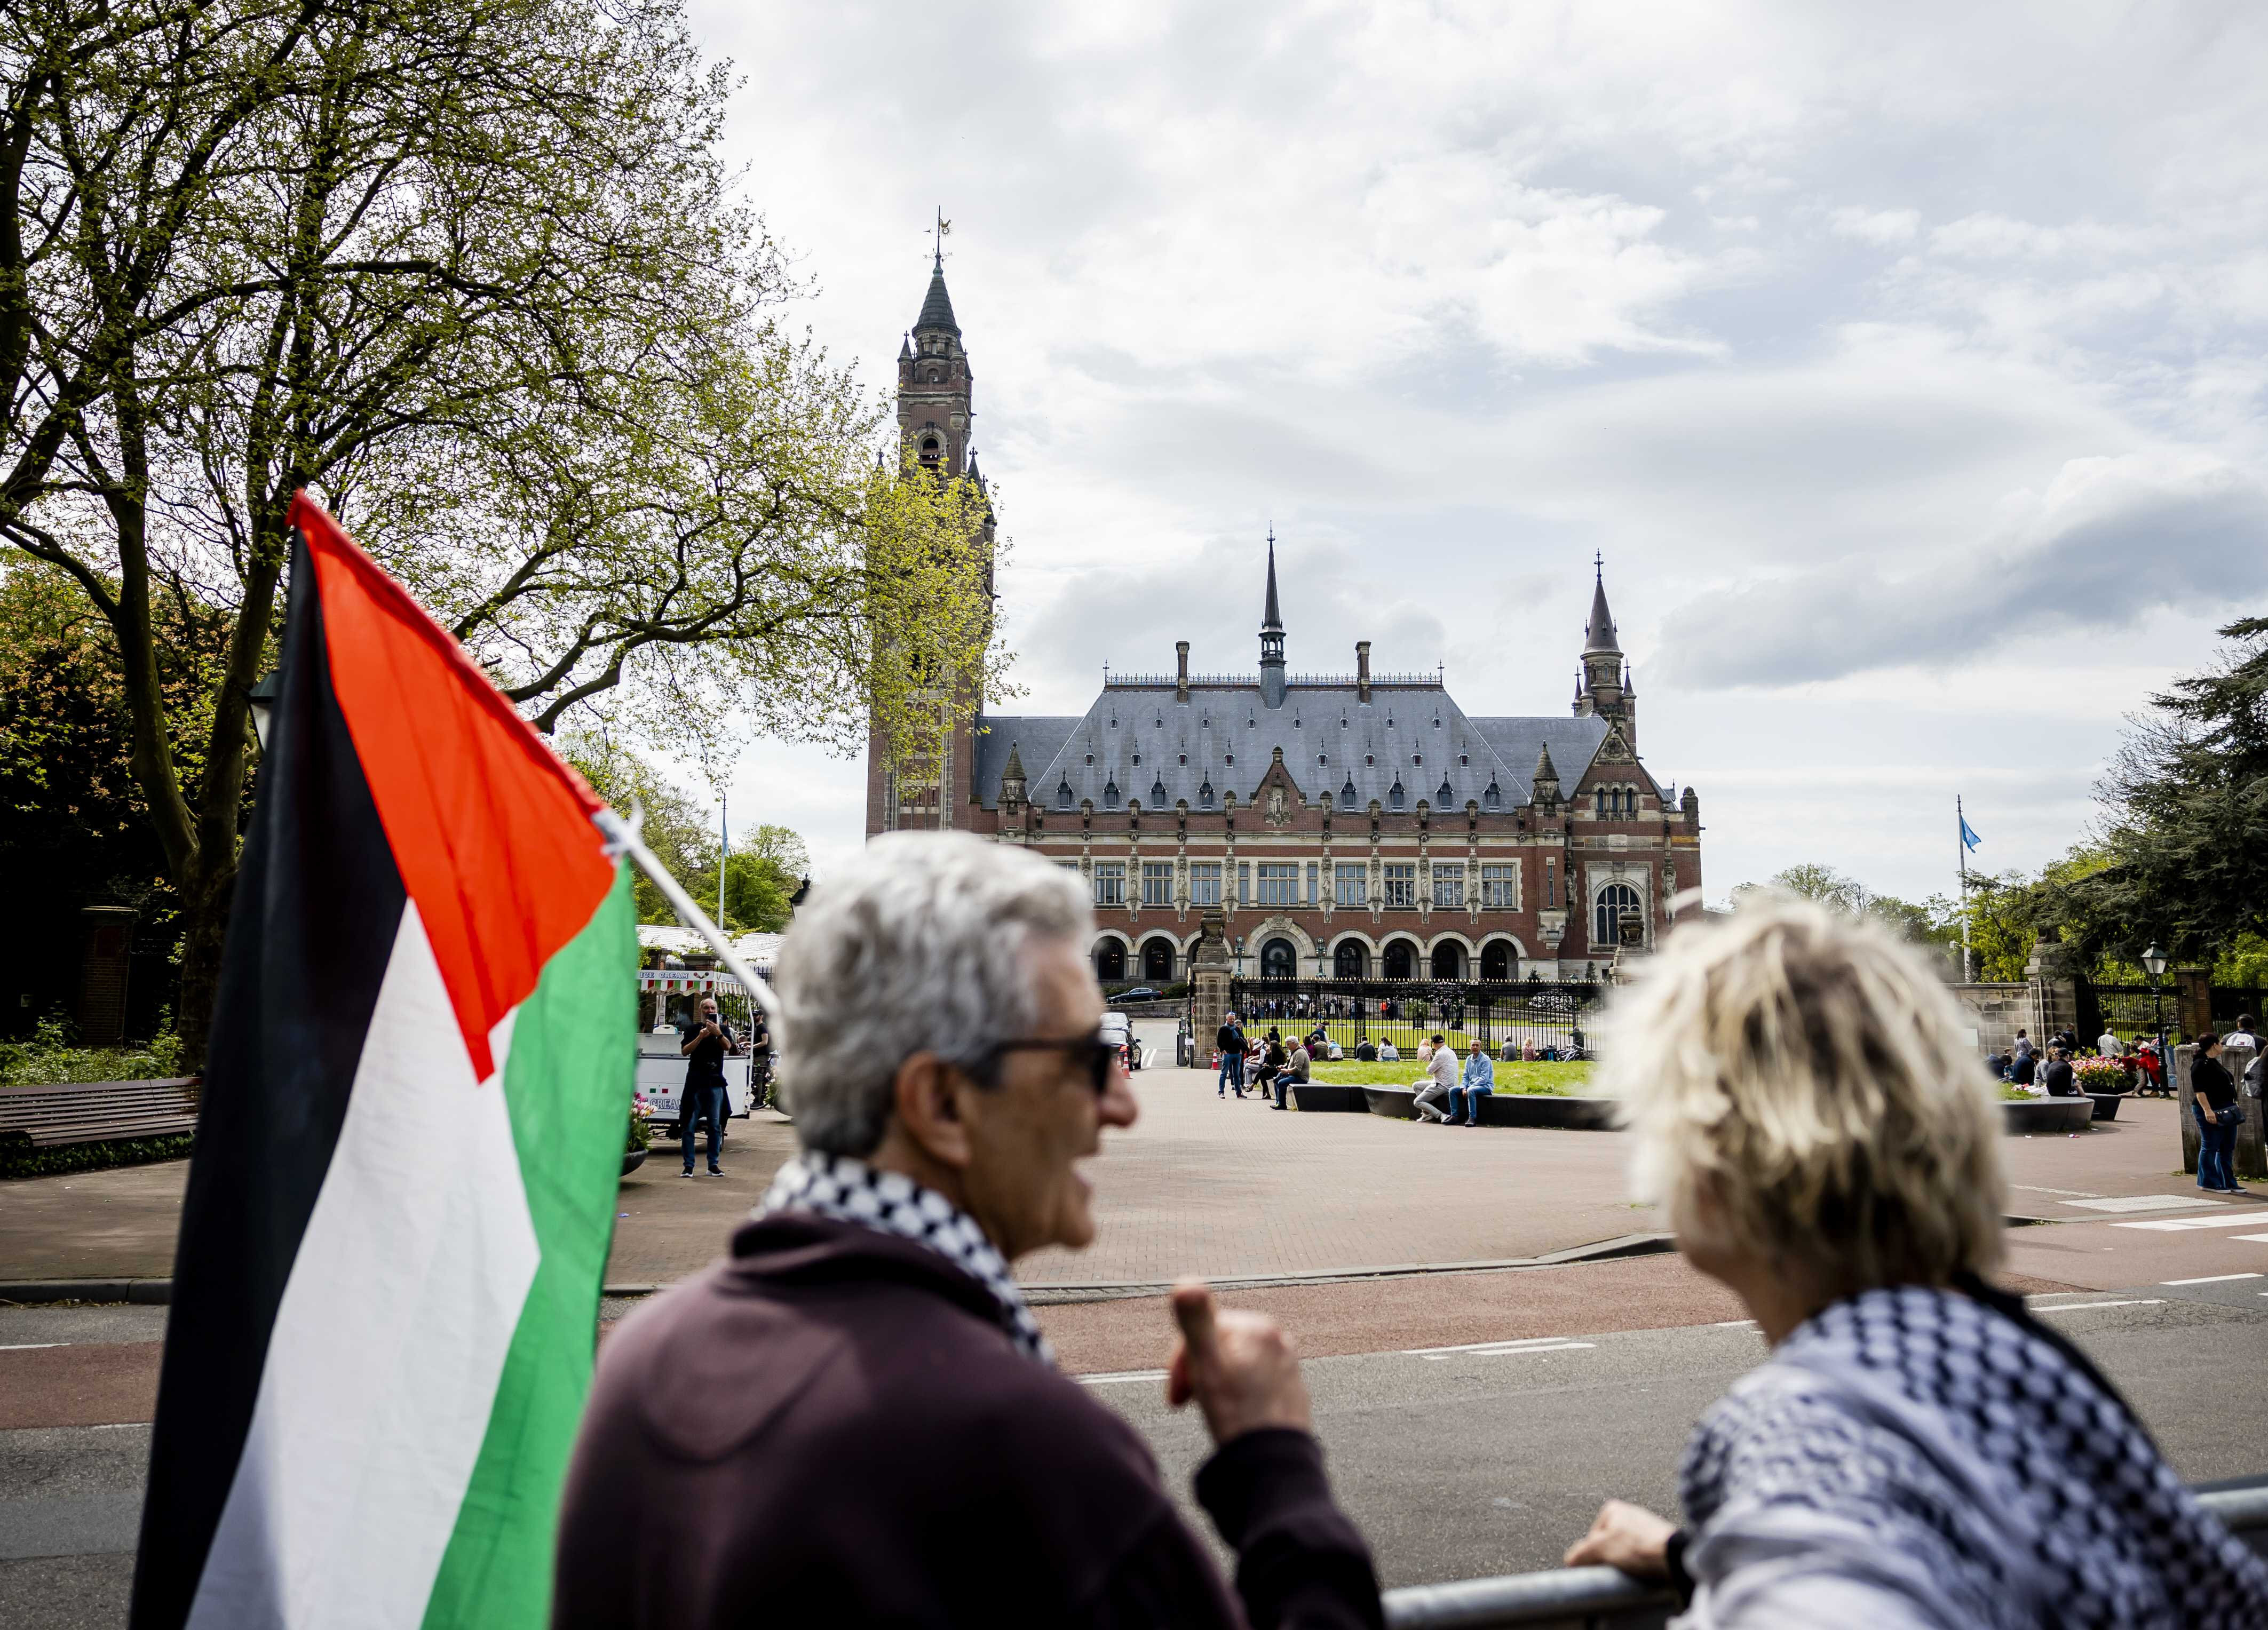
[707,1042]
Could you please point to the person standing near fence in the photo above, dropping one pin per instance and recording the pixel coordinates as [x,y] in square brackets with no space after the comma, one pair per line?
[1229,1039]
[2212,1092]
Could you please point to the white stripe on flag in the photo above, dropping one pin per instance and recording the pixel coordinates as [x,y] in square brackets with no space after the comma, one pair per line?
[392,1334]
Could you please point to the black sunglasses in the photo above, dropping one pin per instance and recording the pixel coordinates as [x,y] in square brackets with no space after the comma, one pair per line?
[1098,1052]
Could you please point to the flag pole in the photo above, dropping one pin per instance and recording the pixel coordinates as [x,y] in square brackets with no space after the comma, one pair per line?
[622,839]
[1961,864]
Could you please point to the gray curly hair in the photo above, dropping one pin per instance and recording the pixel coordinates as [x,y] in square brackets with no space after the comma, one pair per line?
[920,945]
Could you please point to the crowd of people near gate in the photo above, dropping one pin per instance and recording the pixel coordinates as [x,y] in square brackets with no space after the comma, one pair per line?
[878,1431]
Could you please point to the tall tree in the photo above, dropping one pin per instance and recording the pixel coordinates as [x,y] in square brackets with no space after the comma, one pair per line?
[2183,856]
[471,272]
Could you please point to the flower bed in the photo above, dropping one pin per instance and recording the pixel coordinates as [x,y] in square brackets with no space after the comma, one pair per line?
[1554,1080]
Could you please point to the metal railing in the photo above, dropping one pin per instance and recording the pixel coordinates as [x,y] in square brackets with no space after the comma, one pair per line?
[1601,1598]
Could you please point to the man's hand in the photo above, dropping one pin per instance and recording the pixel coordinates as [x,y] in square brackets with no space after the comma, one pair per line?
[1627,1537]
[1239,1367]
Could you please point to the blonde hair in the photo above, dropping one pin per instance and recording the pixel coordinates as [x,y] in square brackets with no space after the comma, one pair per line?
[1810,1080]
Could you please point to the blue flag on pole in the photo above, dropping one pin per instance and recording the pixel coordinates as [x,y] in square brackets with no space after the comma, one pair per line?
[1969,839]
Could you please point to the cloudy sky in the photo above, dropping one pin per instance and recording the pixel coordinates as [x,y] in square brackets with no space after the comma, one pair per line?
[1906,363]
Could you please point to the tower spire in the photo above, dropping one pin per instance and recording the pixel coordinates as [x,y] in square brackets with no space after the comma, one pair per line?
[1599,635]
[1271,636]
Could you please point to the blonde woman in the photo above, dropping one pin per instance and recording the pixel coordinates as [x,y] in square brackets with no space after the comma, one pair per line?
[1917,1450]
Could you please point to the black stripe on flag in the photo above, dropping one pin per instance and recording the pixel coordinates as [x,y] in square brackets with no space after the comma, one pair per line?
[318,904]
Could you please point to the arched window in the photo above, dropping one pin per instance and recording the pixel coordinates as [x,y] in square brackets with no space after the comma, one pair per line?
[1158,960]
[1448,962]
[1616,900]
[1496,960]
[1110,962]
[1349,961]
[1279,958]
[1400,959]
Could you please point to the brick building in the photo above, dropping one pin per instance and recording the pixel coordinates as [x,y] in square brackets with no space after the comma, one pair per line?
[1348,826]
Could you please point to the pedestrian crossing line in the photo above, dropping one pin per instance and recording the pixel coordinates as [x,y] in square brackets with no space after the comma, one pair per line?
[32,1347]
[1530,1344]
[2182,1225]
[2074,1307]
[2251,1238]
[1115,1378]
[2212,1279]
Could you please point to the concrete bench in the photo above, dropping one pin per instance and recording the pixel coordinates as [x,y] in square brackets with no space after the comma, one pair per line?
[1330,1098]
[2036,1116]
[97,1111]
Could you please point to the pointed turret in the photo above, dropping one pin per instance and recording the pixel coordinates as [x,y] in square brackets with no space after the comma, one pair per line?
[1601,687]
[1544,783]
[1599,632]
[937,307]
[905,348]
[1271,637]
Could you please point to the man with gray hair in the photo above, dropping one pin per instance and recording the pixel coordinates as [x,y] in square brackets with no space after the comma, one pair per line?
[854,1418]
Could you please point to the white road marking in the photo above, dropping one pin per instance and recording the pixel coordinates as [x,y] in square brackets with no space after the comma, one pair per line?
[2173,1226]
[2212,1279]
[2257,1238]
[2143,1202]
[1732,1324]
[2073,1307]
[32,1347]
[1531,1344]
[1124,1375]
[2075,1194]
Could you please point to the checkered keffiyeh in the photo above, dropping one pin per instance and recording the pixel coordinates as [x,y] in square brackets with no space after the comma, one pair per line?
[1941,1443]
[890,1202]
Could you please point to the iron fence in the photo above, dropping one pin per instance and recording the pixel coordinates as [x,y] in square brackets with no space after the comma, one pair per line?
[2231,1002]
[2131,1010]
[1554,1016]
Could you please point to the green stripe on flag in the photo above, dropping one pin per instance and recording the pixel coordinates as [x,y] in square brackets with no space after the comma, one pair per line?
[567,1082]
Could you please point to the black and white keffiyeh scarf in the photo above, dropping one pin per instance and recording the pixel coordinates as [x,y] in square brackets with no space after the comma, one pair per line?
[851,1191]
[1934,1440]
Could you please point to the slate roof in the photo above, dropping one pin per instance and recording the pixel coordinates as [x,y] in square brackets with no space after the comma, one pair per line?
[937,309]
[1375,748]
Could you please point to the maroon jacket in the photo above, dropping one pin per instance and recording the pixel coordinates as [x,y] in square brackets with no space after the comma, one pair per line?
[830,1427]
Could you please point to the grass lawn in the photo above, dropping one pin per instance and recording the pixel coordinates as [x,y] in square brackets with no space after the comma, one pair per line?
[1553,1080]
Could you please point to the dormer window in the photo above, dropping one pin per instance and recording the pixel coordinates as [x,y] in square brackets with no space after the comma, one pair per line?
[1158,792]
[1369,760]
[1346,794]
[1417,759]
[1062,795]
[1204,794]
[1444,797]
[1322,758]
[1138,759]
[1110,795]
[1090,760]
[1185,760]
[1464,759]
[1228,758]
[1493,798]
[1396,794]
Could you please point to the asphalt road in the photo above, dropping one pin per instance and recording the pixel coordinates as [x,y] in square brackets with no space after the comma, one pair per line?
[1458,1462]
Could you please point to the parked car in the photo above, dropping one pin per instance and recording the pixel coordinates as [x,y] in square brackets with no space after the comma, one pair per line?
[1141,992]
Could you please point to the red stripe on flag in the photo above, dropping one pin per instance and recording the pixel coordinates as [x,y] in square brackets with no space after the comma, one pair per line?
[490,831]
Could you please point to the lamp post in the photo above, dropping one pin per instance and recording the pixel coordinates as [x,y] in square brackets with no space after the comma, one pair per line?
[1237,946]
[2153,964]
[261,699]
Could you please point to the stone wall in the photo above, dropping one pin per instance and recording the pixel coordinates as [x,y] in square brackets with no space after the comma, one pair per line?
[1999,1010]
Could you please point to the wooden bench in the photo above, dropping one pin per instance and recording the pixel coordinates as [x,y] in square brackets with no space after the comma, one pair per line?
[97,1111]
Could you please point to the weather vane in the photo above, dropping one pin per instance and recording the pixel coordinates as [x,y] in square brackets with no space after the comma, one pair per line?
[944,231]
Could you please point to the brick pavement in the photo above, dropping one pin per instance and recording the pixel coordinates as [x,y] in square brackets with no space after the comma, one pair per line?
[1198,1185]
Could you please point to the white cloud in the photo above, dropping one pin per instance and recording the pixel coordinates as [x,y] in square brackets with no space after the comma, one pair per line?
[1875,226]
[1896,359]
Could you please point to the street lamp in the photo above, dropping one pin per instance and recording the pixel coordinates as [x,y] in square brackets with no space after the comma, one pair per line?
[2153,964]
[261,697]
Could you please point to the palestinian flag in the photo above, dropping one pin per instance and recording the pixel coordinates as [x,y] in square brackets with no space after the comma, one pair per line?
[415,1108]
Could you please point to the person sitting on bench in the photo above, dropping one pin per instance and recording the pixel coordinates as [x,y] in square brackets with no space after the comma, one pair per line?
[1435,1086]
[1480,1081]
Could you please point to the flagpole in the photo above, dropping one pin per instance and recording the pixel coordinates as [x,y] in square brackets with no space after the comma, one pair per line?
[723,849]
[1961,864]
[622,839]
